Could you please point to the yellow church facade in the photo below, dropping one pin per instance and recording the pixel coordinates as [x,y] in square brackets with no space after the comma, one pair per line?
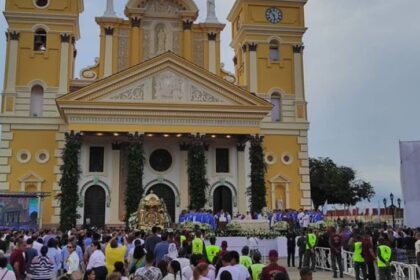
[159,74]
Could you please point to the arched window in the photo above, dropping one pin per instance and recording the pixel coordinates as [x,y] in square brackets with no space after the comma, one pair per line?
[276,112]
[274,51]
[37,100]
[40,40]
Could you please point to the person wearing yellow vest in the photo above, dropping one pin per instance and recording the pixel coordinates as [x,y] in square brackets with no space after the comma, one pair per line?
[212,250]
[256,268]
[384,260]
[245,260]
[359,261]
[311,242]
[198,247]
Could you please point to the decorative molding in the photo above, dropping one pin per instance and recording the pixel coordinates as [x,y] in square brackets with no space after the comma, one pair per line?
[240,147]
[42,156]
[109,31]
[14,35]
[252,47]
[94,182]
[65,37]
[212,36]
[244,48]
[187,24]
[135,22]
[23,156]
[88,73]
[298,48]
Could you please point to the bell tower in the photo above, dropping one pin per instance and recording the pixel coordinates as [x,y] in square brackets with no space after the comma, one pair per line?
[40,57]
[267,40]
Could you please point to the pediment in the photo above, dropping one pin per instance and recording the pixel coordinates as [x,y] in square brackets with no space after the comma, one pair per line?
[31,177]
[279,179]
[167,86]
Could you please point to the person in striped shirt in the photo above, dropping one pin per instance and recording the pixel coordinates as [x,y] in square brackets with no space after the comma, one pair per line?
[42,267]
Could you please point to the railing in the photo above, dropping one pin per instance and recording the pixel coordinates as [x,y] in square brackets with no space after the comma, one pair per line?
[400,271]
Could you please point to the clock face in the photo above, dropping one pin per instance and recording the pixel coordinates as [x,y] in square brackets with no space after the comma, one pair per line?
[274,15]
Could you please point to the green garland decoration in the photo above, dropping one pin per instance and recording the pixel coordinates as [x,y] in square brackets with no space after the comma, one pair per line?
[256,191]
[69,197]
[197,180]
[134,191]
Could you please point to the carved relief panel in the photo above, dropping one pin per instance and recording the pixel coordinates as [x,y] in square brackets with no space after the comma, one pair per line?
[161,36]
[167,86]
[123,49]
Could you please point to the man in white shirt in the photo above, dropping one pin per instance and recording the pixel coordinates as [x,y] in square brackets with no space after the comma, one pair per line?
[306,220]
[227,266]
[300,217]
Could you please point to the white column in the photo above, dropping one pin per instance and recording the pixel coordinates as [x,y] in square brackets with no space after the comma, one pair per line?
[253,84]
[12,66]
[183,176]
[273,196]
[64,64]
[298,71]
[241,178]
[115,194]
[109,31]
[287,196]
[212,52]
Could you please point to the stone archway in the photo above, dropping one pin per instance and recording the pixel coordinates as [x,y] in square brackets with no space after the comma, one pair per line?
[94,206]
[222,199]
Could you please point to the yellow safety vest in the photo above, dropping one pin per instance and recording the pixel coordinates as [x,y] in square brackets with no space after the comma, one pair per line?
[256,270]
[311,241]
[212,251]
[197,246]
[385,252]
[357,256]
[245,261]
[182,238]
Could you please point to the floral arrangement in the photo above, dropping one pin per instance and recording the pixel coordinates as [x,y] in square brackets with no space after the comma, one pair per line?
[235,229]
[321,225]
[193,226]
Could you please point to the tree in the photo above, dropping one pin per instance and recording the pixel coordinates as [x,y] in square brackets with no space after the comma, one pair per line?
[336,184]
[135,168]
[256,190]
[69,197]
[197,180]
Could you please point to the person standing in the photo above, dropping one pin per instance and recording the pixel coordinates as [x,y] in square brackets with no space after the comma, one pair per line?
[30,253]
[212,250]
[369,255]
[97,261]
[309,258]
[256,269]
[5,274]
[417,248]
[335,247]
[301,243]
[17,259]
[384,260]
[161,249]
[149,272]
[273,267]
[152,240]
[359,261]
[114,254]
[72,261]
[291,247]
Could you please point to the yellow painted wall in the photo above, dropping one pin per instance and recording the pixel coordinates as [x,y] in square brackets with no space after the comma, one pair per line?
[72,6]
[278,145]
[34,141]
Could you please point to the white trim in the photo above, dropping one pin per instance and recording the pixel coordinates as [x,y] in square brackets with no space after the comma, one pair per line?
[64,68]
[149,153]
[286,154]
[40,26]
[47,156]
[33,83]
[212,56]
[108,55]
[253,65]
[19,155]
[231,187]
[82,192]
[268,161]
[12,66]
[43,7]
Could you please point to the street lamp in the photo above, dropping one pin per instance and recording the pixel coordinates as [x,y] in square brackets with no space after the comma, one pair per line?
[399,208]
[391,196]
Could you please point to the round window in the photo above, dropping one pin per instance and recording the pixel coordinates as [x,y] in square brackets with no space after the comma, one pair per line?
[23,156]
[160,160]
[42,156]
[286,158]
[41,3]
[270,158]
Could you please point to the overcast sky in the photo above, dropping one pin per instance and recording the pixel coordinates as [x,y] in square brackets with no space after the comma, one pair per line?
[362,76]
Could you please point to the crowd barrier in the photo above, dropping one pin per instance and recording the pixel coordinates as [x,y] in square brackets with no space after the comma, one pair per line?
[401,271]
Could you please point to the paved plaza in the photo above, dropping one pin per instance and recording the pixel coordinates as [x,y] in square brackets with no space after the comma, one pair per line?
[318,275]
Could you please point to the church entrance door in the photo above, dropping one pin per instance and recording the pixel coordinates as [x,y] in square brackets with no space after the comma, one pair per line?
[94,212]
[222,199]
[166,193]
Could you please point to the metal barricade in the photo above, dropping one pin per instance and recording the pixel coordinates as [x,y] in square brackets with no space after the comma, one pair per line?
[403,271]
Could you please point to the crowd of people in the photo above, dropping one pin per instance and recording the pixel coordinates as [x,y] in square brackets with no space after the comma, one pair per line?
[117,254]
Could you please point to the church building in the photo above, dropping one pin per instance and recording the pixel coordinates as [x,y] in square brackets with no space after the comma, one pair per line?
[158,74]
